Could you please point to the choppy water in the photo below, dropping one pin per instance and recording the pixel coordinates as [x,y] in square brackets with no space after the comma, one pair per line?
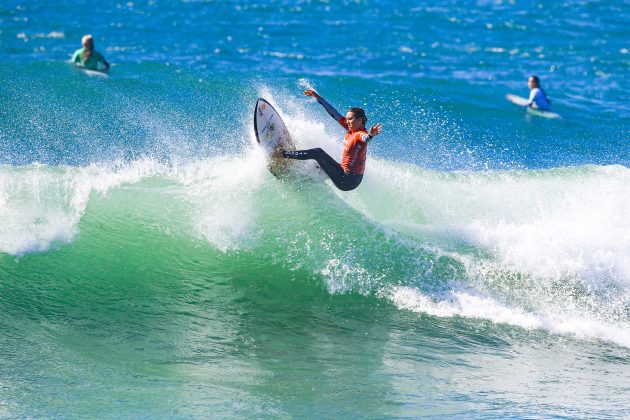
[150,266]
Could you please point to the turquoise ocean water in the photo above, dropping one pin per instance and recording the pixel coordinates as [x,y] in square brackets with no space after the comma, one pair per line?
[150,266]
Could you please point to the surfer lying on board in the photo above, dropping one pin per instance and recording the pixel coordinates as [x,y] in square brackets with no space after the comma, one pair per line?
[537,97]
[87,57]
[347,175]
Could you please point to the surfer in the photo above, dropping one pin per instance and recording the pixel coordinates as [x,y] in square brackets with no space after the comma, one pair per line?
[537,97]
[87,57]
[349,174]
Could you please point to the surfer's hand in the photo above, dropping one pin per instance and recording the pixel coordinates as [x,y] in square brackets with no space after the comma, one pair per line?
[375,129]
[311,92]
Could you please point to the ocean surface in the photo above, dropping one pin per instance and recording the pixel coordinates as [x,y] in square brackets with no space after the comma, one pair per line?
[152,267]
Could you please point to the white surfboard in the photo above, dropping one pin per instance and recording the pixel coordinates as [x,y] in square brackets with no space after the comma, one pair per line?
[544,114]
[95,73]
[519,100]
[273,136]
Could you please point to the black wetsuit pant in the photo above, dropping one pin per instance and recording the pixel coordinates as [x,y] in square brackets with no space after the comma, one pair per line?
[343,180]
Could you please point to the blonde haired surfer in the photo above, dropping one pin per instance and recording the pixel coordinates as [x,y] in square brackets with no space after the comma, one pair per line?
[87,57]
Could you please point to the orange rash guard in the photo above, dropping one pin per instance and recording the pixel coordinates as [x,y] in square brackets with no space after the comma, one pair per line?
[348,175]
[354,152]
[354,143]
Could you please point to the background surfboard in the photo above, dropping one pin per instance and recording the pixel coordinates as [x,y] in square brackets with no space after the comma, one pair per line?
[95,73]
[519,100]
[273,136]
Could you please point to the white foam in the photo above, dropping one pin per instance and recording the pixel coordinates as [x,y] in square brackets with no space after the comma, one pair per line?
[342,277]
[553,223]
[41,205]
[465,304]
[221,191]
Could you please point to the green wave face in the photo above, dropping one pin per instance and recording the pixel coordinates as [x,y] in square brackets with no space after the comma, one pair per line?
[147,287]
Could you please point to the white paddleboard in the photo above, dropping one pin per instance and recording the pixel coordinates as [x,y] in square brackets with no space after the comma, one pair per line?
[519,100]
[273,136]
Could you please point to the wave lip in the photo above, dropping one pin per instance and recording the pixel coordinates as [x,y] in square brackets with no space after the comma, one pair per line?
[42,205]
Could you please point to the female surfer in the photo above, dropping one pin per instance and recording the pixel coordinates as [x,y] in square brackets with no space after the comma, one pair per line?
[87,57]
[537,97]
[347,175]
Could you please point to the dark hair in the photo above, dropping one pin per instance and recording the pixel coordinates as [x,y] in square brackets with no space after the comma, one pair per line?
[359,113]
[537,81]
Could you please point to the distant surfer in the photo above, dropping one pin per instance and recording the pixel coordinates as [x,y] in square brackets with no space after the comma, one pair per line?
[87,57]
[537,97]
[349,174]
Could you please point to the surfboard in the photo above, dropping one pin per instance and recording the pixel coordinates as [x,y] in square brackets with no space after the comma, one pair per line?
[544,114]
[95,73]
[272,136]
[519,100]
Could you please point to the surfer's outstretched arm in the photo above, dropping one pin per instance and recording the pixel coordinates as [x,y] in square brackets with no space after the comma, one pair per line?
[328,107]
